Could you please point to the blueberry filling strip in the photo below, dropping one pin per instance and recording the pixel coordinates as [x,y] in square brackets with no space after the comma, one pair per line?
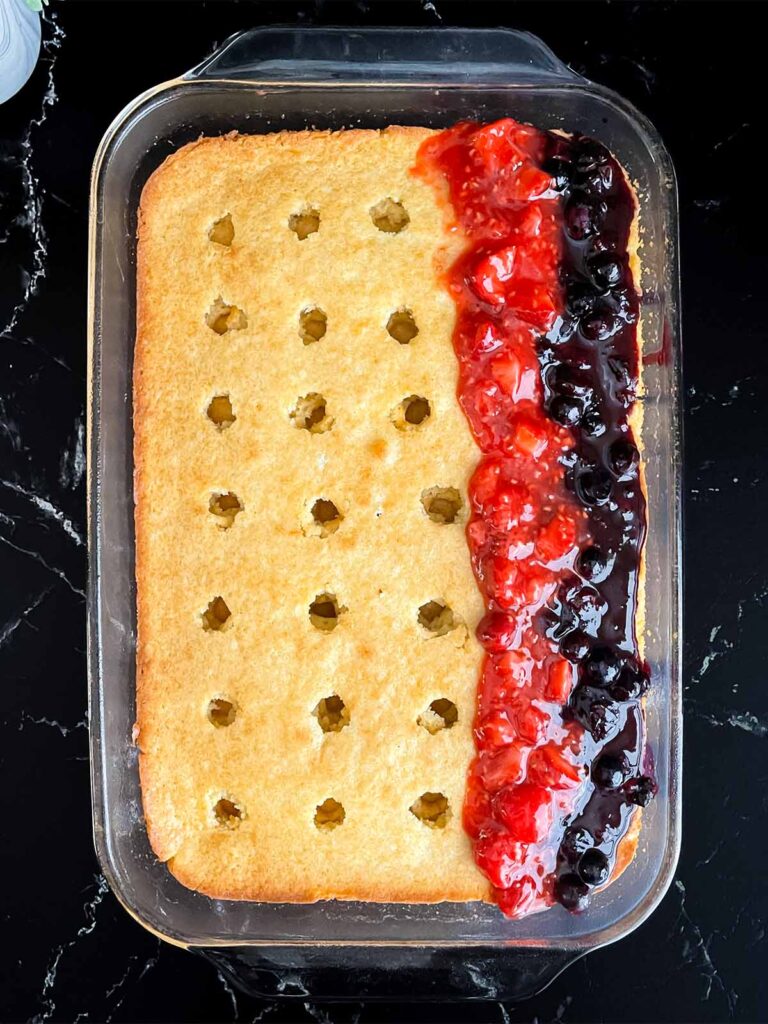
[590,369]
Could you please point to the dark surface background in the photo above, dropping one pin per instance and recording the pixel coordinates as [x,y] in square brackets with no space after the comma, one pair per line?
[69,951]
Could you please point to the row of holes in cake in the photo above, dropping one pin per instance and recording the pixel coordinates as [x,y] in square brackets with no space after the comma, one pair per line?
[389,216]
[432,809]
[333,715]
[435,617]
[313,322]
[442,505]
[311,413]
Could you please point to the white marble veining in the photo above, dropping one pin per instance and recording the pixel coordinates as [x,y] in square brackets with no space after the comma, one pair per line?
[32,219]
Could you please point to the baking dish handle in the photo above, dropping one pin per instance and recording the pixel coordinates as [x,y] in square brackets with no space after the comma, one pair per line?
[310,54]
[394,974]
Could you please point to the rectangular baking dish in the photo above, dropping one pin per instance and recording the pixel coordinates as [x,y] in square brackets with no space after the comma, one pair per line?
[278,78]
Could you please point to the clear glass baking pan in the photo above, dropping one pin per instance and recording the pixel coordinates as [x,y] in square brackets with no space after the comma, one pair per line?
[266,80]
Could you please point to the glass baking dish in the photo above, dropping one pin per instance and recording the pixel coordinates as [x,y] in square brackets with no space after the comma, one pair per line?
[279,78]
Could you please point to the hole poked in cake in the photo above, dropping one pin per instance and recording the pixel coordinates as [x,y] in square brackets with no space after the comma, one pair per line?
[305,222]
[436,618]
[432,809]
[329,815]
[311,413]
[442,504]
[225,507]
[331,713]
[220,411]
[228,813]
[216,616]
[323,518]
[313,323]
[390,216]
[223,318]
[222,231]
[412,412]
[441,714]
[324,612]
[402,327]
[221,712]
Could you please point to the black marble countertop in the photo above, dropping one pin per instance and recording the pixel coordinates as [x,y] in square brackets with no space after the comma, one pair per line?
[68,951]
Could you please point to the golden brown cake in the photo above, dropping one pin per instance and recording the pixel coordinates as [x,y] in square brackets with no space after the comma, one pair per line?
[268,559]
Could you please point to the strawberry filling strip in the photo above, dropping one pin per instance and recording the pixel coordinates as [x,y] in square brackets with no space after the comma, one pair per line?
[546,341]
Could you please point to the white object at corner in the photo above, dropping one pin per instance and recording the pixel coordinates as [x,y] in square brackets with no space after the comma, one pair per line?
[19,45]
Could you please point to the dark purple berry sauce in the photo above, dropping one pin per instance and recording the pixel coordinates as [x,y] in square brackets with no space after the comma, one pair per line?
[590,368]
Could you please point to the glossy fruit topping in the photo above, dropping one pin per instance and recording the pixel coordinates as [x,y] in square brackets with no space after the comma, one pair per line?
[547,369]
[595,341]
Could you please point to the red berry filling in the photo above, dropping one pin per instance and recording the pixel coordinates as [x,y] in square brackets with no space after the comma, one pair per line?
[556,511]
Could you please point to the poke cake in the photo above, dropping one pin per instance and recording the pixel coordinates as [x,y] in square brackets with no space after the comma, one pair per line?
[390,516]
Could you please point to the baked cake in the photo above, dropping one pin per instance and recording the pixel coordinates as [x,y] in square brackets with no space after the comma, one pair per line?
[389,516]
